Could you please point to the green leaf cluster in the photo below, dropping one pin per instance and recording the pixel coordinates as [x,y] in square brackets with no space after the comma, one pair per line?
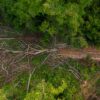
[46,91]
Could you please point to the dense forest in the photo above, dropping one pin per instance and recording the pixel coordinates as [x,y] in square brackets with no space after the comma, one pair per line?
[78,21]
[35,70]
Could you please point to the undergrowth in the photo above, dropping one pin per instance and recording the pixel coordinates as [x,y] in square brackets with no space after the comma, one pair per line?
[49,83]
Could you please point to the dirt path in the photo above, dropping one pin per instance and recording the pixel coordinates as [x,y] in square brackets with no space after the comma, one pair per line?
[80,53]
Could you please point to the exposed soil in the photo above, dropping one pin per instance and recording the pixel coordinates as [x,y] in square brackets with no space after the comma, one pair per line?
[93,53]
[88,88]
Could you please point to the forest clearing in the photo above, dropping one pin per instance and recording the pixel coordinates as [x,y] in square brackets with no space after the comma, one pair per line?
[49,49]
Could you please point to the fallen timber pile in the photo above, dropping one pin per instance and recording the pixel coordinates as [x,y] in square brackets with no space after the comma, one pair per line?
[12,61]
[61,52]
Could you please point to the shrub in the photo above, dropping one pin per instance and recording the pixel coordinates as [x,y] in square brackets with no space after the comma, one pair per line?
[45,91]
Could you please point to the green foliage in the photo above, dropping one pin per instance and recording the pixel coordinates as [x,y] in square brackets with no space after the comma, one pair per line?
[78,42]
[40,93]
[98,87]
[85,3]
[91,26]
[71,18]
[14,93]
[2,95]
[46,91]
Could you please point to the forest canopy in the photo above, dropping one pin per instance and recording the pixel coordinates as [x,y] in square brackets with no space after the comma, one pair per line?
[78,21]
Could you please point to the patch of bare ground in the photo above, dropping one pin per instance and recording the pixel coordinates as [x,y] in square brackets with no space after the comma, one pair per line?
[94,54]
[88,88]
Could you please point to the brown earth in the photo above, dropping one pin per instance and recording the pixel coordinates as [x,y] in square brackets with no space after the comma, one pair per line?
[88,88]
[93,53]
